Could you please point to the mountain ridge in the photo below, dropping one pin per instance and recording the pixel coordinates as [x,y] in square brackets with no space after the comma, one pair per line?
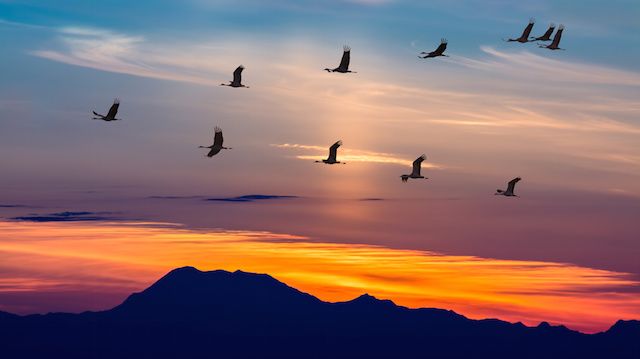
[196,313]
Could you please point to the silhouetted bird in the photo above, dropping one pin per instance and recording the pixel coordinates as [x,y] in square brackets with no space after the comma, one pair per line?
[217,143]
[237,78]
[437,52]
[111,115]
[547,35]
[556,40]
[333,152]
[344,63]
[525,34]
[510,188]
[416,169]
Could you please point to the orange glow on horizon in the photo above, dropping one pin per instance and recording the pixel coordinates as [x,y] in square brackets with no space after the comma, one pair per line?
[130,256]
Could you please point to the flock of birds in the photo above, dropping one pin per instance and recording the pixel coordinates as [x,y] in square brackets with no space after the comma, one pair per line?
[343,67]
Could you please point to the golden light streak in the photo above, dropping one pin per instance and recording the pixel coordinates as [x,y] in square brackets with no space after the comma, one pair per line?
[351,155]
[130,256]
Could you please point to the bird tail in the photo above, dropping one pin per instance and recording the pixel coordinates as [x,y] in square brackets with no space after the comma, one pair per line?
[499,191]
[97,114]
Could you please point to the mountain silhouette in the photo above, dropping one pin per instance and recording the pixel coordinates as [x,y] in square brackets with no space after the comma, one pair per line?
[218,314]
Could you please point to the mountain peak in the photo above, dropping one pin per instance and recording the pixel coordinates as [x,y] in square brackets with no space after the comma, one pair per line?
[185,269]
[370,302]
[625,326]
[366,297]
[189,292]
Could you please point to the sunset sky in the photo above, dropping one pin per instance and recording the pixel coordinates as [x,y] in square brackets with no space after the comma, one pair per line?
[567,122]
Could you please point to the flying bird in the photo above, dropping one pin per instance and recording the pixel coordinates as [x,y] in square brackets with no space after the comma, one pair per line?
[547,34]
[344,63]
[237,78]
[111,115]
[525,34]
[333,152]
[510,188]
[217,143]
[437,52]
[556,40]
[415,173]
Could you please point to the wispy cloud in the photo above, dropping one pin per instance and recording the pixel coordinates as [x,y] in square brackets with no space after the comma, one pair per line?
[116,52]
[527,64]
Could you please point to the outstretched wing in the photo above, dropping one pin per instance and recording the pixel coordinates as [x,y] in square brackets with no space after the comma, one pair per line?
[417,165]
[441,48]
[557,37]
[346,58]
[527,30]
[547,34]
[333,150]
[214,151]
[114,109]
[512,184]
[237,74]
[217,139]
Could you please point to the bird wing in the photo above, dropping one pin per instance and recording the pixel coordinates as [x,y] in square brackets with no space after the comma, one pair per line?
[217,138]
[417,164]
[114,109]
[556,38]
[346,58]
[333,150]
[237,74]
[214,151]
[547,34]
[441,48]
[512,184]
[527,30]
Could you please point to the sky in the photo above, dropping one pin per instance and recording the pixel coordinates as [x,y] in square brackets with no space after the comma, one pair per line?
[564,121]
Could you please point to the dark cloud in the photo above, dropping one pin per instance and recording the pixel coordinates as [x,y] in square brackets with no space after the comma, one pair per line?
[249,198]
[12,206]
[371,199]
[173,197]
[67,216]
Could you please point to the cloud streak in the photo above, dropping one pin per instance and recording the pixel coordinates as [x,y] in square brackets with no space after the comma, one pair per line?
[530,65]
[66,217]
[249,198]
